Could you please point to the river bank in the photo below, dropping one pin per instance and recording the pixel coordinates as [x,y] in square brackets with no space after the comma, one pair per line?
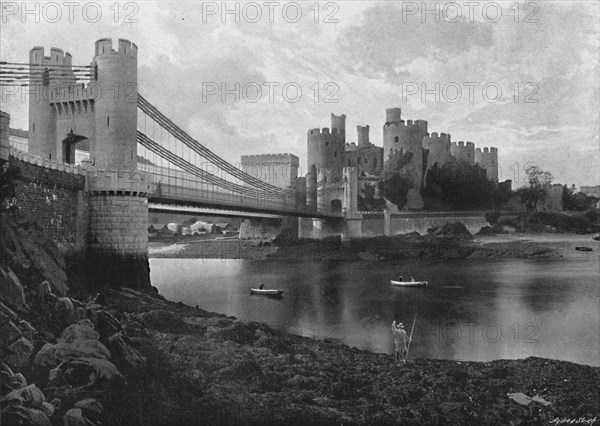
[502,246]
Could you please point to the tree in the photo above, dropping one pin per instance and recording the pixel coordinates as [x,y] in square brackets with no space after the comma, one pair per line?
[368,200]
[460,187]
[395,179]
[536,192]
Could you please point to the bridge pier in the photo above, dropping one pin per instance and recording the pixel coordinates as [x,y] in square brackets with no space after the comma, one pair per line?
[117,246]
[261,228]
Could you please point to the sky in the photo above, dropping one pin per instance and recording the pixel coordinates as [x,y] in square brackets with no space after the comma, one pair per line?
[523,77]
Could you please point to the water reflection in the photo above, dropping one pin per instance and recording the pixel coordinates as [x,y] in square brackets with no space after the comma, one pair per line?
[470,311]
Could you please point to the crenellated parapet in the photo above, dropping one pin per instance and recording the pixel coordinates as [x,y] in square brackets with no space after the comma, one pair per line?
[487,158]
[463,153]
[438,147]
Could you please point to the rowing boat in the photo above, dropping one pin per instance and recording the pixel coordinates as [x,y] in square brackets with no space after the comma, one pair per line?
[266,292]
[409,283]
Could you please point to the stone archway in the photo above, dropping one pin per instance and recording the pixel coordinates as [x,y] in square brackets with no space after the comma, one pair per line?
[71,143]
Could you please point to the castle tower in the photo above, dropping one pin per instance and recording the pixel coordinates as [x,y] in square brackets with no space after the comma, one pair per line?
[487,159]
[401,137]
[48,75]
[393,115]
[115,144]
[439,149]
[339,122]
[326,150]
[118,202]
[4,142]
[463,153]
[363,136]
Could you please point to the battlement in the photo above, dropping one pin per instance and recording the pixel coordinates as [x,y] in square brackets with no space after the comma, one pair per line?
[324,131]
[57,57]
[421,124]
[285,158]
[470,144]
[104,46]
[442,136]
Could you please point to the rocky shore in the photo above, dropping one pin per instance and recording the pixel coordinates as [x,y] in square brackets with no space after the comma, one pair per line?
[127,357]
[140,359]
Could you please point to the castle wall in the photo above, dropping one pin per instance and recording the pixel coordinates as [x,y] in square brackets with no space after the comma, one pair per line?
[279,170]
[421,222]
[4,135]
[56,199]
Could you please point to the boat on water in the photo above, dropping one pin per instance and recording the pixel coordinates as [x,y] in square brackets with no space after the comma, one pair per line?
[266,291]
[583,248]
[409,283]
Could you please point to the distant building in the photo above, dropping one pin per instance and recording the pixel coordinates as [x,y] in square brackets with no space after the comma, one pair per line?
[591,191]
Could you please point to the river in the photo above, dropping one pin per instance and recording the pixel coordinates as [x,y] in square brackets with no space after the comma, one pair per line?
[472,310]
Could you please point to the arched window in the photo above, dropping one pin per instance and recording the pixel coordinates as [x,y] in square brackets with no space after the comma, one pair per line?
[335,153]
[327,143]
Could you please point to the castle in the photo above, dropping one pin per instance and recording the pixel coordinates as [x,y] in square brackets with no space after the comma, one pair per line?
[329,155]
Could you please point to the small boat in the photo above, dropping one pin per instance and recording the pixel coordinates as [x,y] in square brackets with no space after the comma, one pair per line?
[583,248]
[409,283]
[266,292]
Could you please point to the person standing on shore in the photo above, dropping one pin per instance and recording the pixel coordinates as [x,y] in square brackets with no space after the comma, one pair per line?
[400,340]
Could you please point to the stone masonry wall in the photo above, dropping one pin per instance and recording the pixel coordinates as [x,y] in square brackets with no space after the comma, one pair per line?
[119,223]
[56,199]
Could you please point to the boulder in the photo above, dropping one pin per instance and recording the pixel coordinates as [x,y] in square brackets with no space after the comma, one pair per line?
[21,415]
[83,329]
[83,372]
[9,332]
[74,417]
[30,396]
[77,340]
[123,353]
[106,324]
[11,290]
[54,354]
[21,351]
[91,408]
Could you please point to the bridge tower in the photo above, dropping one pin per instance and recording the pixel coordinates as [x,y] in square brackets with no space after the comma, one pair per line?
[118,195]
